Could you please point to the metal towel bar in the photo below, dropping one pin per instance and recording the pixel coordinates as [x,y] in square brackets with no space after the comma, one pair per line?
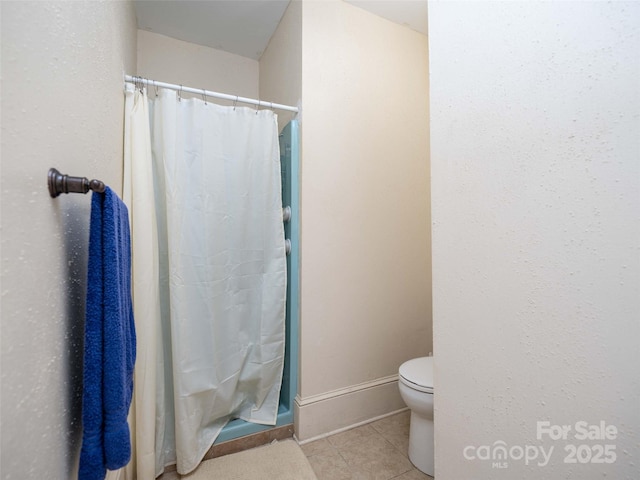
[59,183]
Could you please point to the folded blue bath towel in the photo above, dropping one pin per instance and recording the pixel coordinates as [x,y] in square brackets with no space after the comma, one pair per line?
[110,340]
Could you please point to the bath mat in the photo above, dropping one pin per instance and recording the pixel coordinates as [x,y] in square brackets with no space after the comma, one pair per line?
[277,461]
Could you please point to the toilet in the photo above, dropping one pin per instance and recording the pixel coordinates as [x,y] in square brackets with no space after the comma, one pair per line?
[416,389]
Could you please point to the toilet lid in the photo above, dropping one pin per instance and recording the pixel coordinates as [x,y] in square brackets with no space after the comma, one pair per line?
[418,373]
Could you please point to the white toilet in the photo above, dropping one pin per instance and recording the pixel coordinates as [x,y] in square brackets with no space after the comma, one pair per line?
[416,389]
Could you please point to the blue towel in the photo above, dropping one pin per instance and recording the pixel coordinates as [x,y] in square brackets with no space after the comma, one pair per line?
[110,340]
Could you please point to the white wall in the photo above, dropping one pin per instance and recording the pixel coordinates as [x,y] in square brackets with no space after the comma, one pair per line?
[281,63]
[169,60]
[536,194]
[62,106]
[365,249]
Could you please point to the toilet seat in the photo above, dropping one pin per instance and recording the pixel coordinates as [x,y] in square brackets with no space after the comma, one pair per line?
[418,374]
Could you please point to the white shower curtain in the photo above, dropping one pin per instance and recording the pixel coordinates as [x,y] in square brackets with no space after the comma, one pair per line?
[202,183]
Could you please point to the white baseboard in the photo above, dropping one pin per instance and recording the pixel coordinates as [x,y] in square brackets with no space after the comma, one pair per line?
[344,429]
[324,414]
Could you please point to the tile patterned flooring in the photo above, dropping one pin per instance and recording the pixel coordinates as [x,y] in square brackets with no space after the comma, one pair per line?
[375,451]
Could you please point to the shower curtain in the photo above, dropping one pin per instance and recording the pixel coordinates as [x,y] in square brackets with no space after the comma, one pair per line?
[203,185]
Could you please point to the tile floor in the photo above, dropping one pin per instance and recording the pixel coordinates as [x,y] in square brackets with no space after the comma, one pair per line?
[376,451]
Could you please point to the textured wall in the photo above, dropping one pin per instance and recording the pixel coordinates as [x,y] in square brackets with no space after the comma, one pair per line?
[536,269]
[62,105]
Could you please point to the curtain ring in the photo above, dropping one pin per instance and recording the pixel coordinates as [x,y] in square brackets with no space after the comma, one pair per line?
[235,102]
[155,87]
[257,106]
[204,97]
[180,94]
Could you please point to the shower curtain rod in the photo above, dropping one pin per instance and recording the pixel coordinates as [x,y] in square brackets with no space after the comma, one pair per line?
[208,93]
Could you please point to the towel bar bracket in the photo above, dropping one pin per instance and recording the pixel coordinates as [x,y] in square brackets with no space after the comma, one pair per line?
[59,183]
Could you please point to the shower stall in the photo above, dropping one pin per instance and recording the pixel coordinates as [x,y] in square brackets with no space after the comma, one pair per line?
[209,186]
[289,160]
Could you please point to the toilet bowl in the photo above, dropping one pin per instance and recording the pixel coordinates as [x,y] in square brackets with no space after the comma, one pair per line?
[416,389]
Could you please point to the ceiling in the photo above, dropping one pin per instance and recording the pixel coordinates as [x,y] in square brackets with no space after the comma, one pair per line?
[244,27]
